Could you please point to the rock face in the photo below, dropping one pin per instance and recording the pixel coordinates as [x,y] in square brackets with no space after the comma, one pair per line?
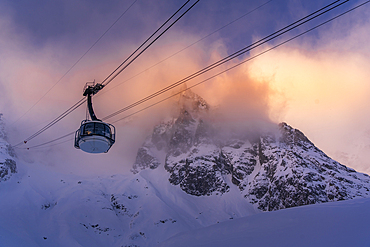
[7,168]
[293,172]
[7,164]
[273,171]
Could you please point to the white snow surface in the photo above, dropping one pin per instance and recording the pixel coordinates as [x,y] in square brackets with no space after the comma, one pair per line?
[343,223]
[40,207]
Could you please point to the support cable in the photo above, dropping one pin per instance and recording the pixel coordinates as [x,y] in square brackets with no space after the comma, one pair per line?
[54,140]
[246,60]
[203,38]
[106,82]
[56,120]
[224,71]
[144,43]
[99,86]
[116,113]
[232,56]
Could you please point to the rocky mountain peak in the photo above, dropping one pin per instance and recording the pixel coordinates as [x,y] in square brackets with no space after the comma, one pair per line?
[271,170]
[291,136]
[191,102]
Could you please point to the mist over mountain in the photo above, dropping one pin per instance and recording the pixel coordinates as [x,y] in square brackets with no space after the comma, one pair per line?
[191,173]
[273,169]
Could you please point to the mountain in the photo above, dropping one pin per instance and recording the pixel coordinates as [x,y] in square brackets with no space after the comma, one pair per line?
[278,169]
[189,175]
[8,165]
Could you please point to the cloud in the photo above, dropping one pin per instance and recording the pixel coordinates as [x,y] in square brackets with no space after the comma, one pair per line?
[326,89]
[319,87]
[239,104]
[29,73]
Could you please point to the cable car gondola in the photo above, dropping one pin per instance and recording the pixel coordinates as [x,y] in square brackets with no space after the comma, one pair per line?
[94,136]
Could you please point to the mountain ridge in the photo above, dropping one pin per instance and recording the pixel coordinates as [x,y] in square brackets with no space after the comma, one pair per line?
[273,170]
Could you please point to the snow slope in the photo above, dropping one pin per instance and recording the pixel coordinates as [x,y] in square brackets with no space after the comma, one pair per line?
[40,207]
[344,223]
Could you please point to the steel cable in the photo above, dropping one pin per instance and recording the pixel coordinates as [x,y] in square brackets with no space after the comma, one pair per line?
[232,56]
[274,47]
[114,76]
[79,103]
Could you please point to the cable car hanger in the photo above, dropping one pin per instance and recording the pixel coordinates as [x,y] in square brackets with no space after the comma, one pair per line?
[94,136]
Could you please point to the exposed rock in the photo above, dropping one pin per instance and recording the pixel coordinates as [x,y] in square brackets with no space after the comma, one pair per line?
[7,165]
[7,168]
[144,159]
[199,172]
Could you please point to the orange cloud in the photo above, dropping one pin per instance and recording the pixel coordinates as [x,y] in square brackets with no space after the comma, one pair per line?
[326,91]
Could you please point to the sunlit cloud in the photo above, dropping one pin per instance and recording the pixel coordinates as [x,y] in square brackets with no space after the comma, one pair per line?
[321,89]
[325,91]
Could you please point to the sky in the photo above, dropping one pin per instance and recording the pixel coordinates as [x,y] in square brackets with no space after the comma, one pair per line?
[317,83]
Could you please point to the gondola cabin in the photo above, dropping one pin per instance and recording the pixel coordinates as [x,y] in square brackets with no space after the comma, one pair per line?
[95,136]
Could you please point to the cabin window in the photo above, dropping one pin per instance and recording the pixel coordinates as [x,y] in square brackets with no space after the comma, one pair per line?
[99,129]
[88,129]
[107,131]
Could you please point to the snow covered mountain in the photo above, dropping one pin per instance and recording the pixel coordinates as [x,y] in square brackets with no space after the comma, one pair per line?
[186,177]
[275,170]
[42,207]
